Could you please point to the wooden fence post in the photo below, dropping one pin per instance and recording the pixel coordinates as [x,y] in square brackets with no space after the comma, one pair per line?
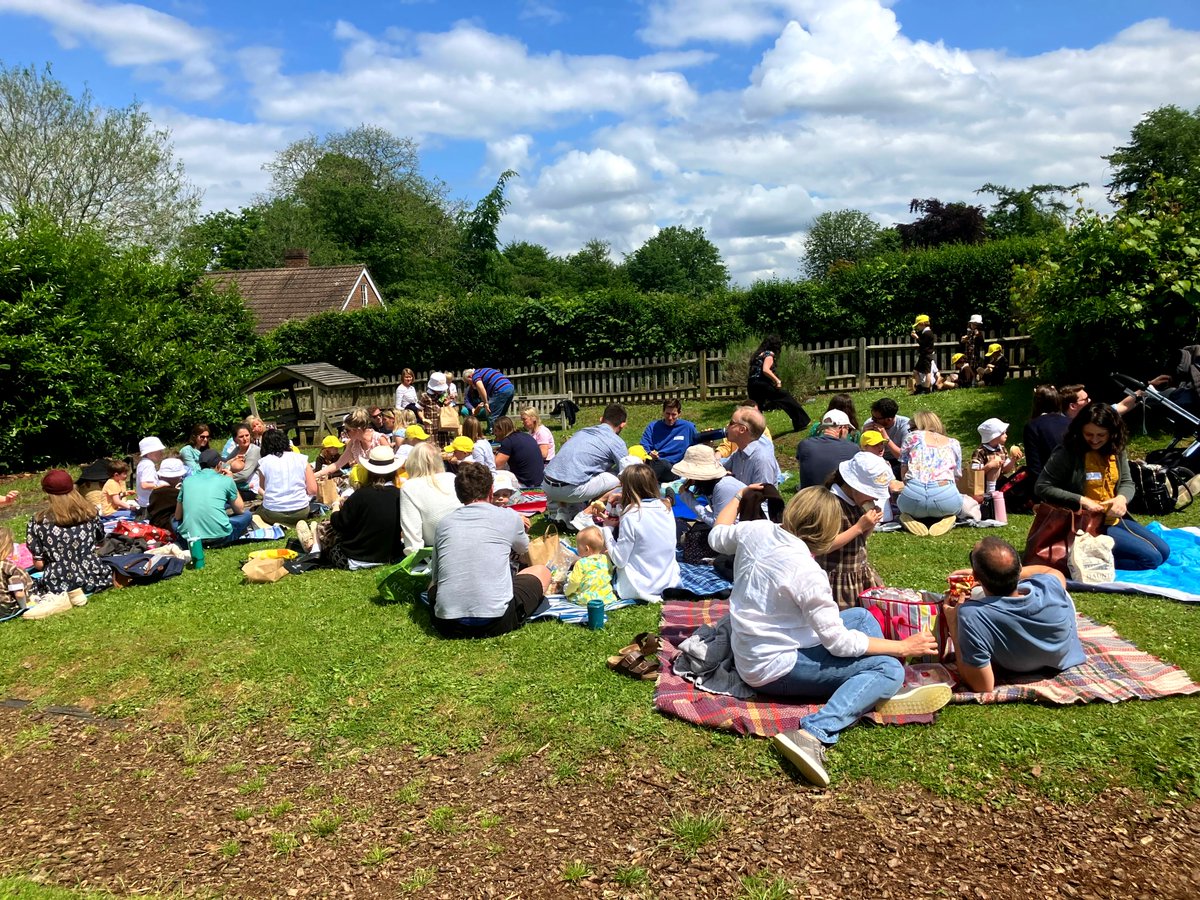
[703,375]
[863,381]
[562,380]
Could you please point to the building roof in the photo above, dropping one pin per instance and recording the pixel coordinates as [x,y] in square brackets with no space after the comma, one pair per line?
[275,296]
[320,374]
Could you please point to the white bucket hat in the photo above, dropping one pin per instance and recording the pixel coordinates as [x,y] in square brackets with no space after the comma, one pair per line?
[835,418]
[172,468]
[699,463]
[437,383]
[381,460]
[867,473]
[991,429]
[150,445]
[976,319]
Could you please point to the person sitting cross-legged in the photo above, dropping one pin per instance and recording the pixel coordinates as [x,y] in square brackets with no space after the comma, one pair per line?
[473,592]
[209,506]
[1022,620]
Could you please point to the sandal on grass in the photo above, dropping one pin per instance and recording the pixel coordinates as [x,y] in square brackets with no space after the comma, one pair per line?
[635,665]
[645,643]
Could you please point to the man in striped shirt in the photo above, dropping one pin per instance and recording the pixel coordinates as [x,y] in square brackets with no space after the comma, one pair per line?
[491,389]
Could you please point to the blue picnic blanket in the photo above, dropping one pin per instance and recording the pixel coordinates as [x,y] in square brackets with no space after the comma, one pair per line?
[1175,578]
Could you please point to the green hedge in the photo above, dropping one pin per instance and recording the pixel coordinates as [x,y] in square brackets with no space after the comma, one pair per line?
[99,347]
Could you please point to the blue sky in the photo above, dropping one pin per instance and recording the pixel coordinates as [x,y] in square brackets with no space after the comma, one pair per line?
[747,119]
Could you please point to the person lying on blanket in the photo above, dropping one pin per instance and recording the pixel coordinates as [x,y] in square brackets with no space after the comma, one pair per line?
[789,639]
[1020,619]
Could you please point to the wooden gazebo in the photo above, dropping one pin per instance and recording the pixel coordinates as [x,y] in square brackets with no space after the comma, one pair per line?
[319,382]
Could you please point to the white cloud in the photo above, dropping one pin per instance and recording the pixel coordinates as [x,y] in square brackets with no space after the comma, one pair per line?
[672,23]
[586,178]
[161,47]
[547,12]
[513,152]
[464,83]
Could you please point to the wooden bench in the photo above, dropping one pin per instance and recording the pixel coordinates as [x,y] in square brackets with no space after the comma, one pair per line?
[544,404]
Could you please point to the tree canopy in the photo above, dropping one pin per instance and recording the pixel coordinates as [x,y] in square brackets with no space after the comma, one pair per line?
[1037,209]
[1165,142]
[844,237]
[943,223]
[679,261]
[84,165]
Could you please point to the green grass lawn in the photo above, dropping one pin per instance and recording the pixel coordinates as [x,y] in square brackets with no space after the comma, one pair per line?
[323,657]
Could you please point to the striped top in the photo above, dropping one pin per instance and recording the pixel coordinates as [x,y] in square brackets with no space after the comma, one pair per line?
[493,380]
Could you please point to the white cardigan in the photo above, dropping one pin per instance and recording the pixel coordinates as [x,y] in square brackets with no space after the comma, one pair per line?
[644,551]
[423,503]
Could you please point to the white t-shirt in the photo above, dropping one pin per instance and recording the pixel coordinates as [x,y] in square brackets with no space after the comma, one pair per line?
[484,454]
[406,396]
[146,471]
[781,601]
[423,503]
[644,551]
[284,489]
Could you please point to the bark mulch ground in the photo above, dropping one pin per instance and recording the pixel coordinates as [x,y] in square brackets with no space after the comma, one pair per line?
[93,804]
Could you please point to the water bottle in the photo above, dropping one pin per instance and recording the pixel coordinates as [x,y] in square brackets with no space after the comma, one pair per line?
[999,511]
[595,614]
[197,547]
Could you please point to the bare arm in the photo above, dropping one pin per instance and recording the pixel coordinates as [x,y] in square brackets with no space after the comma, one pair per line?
[310,481]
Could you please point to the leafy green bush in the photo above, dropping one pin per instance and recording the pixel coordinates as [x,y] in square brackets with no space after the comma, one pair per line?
[1120,292]
[100,347]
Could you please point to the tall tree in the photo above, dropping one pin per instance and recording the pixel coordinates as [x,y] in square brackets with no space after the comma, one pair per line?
[88,166]
[844,236]
[592,267]
[943,223]
[479,257]
[1037,209]
[678,261]
[532,271]
[1165,142]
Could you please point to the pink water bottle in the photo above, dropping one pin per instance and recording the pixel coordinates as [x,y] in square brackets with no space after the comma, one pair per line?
[999,511]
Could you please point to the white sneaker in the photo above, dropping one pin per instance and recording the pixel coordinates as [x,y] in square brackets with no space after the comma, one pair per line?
[77,597]
[804,752]
[305,533]
[49,605]
[915,701]
[941,526]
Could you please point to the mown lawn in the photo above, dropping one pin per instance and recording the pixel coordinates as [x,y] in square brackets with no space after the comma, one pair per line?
[323,657]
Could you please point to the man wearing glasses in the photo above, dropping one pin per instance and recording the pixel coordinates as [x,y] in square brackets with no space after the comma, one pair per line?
[1020,619]
[754,460]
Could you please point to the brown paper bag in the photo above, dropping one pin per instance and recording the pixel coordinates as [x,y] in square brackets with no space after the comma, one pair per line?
[546,549]
[328,491]
[448,419]
[264,571]
[972,482]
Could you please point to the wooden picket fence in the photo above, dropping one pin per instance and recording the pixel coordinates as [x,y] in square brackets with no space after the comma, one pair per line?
[853,365]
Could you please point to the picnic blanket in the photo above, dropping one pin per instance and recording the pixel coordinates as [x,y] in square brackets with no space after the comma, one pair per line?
[1115,670]
[1175,578]
[677,697]
[557,606]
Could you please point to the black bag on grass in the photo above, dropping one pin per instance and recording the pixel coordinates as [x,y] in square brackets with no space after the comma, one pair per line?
[1159,489]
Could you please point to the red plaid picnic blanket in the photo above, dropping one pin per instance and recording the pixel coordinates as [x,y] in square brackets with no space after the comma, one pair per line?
[1115,670]
[677,697]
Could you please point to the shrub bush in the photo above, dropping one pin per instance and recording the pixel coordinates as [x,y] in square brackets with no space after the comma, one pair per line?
[800,376]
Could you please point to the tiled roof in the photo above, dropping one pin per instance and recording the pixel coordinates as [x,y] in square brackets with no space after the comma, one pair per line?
[275,296]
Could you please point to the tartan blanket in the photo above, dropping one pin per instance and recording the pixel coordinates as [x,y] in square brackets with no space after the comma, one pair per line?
[703,581]
[677,697]
[1115,670]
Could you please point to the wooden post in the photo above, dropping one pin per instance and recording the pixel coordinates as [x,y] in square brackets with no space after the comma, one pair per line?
[562,380]
[703,376]
[863,381]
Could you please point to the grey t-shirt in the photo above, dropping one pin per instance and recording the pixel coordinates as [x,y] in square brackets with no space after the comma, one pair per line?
[1021,634]
[471,548]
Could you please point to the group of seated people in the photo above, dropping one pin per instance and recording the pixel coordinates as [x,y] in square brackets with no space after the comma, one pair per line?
[797,570]
[977,361]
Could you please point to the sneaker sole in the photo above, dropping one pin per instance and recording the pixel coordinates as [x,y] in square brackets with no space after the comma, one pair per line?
[919,701]
[813,772]
[937,529]
[912,526]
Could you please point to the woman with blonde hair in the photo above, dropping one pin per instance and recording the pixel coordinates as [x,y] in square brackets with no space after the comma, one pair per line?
[532,421]
[360,438]
[426,497]
[930,461]
[62,539]
[643,549]
[789,639]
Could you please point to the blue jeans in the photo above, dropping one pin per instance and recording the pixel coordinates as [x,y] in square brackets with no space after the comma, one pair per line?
[498,404]
[850,686]
[1135,547]
[929,501]
[240,522]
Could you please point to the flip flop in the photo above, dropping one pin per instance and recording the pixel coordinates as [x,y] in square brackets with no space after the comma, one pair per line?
[635,665]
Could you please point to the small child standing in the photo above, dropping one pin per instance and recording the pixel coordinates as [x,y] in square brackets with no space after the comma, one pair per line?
[591,576]
[151,451]
[998,461]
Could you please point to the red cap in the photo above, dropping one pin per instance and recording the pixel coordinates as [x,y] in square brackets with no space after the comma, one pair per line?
[58,482]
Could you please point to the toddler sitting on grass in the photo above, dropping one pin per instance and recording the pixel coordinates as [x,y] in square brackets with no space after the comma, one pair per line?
[591,576]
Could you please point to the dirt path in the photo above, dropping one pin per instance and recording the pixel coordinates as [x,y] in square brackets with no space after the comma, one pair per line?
[121,809]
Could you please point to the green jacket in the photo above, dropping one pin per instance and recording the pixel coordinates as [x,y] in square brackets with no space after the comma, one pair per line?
[1061,481]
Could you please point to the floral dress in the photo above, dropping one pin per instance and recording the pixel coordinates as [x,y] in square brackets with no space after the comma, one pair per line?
[68,554]
[849,571]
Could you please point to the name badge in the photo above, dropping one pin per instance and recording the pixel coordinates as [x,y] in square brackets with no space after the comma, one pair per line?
[1094,476]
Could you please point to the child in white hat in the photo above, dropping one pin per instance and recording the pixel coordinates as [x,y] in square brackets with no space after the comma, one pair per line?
[998,461]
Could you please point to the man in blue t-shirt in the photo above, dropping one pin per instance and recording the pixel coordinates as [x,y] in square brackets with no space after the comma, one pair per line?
[1017,619]
[667,439]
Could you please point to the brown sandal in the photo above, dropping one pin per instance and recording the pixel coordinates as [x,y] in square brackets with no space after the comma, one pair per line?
[645,643]
[635,665]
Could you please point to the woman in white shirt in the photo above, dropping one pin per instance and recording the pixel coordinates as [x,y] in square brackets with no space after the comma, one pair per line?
[482,452]
[790,641]
[426,497]
[643,550]
[287,481]
[406,394]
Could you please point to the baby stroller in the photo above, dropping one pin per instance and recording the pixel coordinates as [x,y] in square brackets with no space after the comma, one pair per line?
[1186,425]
